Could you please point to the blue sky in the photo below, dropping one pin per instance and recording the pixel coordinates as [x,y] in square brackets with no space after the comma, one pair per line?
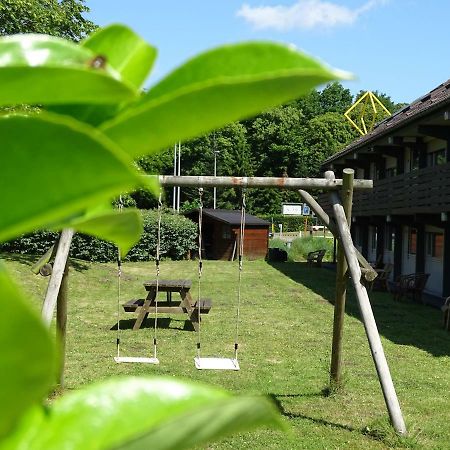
[394,46]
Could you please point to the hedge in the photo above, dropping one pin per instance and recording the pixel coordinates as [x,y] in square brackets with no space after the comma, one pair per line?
[178,239]
[290,223]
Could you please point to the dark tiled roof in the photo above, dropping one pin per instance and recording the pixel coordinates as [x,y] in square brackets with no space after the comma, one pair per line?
[437,98]
[229,216]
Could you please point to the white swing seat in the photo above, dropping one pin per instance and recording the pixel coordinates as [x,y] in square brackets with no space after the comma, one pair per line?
[134,359]
[216,363]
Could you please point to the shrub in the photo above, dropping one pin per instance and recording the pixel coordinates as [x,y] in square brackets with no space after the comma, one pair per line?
[290,223]
[178,238]
[300,247]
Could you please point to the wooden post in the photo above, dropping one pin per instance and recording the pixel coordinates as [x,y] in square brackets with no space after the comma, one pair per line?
[370,326]
[55,280]
[341,283]
[61,321]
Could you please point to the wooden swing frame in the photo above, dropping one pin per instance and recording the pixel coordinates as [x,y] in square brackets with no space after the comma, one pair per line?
[349,261]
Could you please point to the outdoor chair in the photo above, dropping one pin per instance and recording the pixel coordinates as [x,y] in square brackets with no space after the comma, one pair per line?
[381,281]
[412,284]
[315,258]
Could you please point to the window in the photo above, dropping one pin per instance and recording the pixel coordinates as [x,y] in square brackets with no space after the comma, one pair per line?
[373,238]
[414,161]
[435,244]
[358,236]
[389,240]
[226,232]
[437,158]
[391,172]
[412,241]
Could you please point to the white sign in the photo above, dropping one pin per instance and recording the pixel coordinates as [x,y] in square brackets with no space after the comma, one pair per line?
[292,209]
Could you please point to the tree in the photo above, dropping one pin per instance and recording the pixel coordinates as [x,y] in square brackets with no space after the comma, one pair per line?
[323,136]
[333,98]
[57,18]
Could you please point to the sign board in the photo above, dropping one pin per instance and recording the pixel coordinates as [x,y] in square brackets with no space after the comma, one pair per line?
[306,210]
[292,209]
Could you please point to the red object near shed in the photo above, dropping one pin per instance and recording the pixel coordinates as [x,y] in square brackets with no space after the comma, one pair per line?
[221,233]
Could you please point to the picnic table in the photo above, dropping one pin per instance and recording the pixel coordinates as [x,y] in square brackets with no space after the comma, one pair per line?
[150,305]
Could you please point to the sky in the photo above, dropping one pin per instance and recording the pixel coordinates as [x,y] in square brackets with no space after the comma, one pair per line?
[394,46]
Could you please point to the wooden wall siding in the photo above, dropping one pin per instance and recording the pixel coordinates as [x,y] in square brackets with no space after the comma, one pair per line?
[424,191]
[255,245]
[256,242]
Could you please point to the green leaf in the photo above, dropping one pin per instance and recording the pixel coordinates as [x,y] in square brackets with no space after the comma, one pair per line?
[152,413]
[151,183]
[54,166]
[123,228]
[213,89]
[44,69]
[128,54]
[27,363]
[125,51]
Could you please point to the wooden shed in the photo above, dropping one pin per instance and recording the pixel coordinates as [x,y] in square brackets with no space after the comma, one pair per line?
[221,230]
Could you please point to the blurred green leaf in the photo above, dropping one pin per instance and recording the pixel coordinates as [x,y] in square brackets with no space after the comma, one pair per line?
[213,89]
[128,54]
[123,228]
[151,183]
[27,363]
[154,413]
[53,167]
[45,69]
[125,51]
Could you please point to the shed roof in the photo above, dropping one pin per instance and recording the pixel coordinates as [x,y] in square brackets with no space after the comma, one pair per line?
[435,99]
[231,217]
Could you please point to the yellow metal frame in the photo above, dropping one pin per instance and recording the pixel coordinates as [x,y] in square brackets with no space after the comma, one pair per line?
[369,98]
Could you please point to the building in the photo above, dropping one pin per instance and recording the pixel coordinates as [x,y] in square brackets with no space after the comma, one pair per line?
[405,219]
[221,231]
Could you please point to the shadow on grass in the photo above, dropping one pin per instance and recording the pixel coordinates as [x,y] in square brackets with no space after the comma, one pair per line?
[402,322]
[29,260]
[277,400]
[163,322]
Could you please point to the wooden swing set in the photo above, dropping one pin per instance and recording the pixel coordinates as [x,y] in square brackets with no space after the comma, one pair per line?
[350,264]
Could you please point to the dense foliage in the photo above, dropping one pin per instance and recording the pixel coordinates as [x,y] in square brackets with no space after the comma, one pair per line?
[177,241]
[290,140]
[58,18]
[289,223]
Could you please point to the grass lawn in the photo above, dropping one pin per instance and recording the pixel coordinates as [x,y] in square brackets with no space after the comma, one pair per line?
[285,342]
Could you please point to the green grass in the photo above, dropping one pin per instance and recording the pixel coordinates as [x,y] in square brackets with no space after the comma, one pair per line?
[285,341]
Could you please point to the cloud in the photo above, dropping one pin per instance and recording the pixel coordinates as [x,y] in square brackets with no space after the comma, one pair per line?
[304,14]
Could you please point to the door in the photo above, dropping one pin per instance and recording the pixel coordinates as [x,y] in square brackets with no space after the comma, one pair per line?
[434,265]
[409,250]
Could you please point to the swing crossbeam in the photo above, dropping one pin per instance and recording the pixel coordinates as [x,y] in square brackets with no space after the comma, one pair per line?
[259,182]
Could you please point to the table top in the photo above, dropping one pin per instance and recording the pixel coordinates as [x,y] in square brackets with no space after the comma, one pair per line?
[168,284]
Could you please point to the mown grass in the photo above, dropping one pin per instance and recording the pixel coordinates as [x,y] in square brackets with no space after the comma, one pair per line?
[285,341]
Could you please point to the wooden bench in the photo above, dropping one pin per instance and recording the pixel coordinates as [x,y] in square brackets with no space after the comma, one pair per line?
[167,306]
[411,284]
[315,258]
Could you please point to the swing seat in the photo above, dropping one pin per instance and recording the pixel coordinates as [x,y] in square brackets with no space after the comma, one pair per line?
[216,364]
[138,359]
